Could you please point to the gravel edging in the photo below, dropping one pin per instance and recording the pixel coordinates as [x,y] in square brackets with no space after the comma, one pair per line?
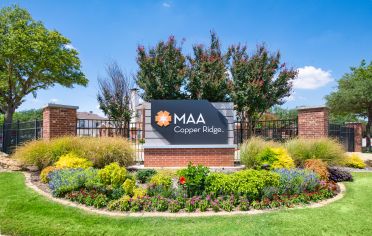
[93,210]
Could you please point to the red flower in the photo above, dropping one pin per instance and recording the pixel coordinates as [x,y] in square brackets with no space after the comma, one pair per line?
[182,180]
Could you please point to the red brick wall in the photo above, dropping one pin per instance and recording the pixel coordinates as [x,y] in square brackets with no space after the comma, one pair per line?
[59,120]
[178,157]
[313,122]
[358,135]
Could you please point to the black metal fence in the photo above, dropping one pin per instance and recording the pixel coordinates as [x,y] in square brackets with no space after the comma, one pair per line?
[111,128]
[277,130]
[344,134]
[17,133]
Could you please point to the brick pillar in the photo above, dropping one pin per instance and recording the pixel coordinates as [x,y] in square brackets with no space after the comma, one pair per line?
[59,120]
[312,122]
[358,131]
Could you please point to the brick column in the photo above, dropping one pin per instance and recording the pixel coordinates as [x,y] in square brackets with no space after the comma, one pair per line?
[312,122]
[358,131]
[59,120]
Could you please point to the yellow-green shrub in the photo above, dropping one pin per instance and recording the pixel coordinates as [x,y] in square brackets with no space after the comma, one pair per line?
[129,186]
[275,158]
[44,173]
[139,193]
[354,161]
[101,151]
[318,166]
[162,178]
[113,175]
[326,149]
[250,150]
[283,159]
[71,160]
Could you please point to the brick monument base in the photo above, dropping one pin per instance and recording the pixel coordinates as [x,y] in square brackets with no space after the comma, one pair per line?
[180,157]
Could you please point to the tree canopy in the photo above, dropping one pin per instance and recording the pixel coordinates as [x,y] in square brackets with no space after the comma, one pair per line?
[354,94]
[208,72]
[32,58]
[162,71]
[260,81]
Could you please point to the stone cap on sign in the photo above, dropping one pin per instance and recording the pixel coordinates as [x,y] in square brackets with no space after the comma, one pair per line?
[53,105]
[311,108]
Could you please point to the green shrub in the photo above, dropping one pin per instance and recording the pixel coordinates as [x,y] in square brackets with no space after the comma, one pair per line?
[250,150]
[93,180]
[122,204]
[113,175]
[129,186]
[101,151]
[143,176]
[249,183]
[72,160]
[100,201]
[163,179]
[193,178]
[326,149]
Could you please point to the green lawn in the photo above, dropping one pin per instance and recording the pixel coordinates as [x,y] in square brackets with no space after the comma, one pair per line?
[24,212]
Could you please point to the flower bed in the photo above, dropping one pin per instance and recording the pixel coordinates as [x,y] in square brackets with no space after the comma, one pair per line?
[193,189]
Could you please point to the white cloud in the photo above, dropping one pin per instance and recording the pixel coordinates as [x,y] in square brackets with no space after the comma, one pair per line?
[310,77]
[69,47]
[53,100]
[293,97]
[290,98]
[166,4]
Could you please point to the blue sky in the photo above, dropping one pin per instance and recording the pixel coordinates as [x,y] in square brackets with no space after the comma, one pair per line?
[321,38]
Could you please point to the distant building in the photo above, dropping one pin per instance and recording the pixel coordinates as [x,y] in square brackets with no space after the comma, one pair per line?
[88,123]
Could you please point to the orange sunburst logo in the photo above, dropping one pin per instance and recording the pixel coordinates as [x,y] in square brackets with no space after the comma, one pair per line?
[163,118]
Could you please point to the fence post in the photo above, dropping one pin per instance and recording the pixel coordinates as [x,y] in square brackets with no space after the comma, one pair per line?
[17,134]
[4,134]
[312,122]
[358,136]
[35,125]
[59,120]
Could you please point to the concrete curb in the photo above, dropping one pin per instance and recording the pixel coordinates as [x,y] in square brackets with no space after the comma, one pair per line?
[168,214]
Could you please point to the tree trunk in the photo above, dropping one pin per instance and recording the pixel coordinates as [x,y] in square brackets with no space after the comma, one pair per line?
[8,117]
[7,127]
[368,130]
[246,126]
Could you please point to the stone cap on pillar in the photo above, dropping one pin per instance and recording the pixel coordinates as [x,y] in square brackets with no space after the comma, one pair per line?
[301,108]
[53,105]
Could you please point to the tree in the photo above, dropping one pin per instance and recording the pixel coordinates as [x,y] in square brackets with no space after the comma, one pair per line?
[260,81]
[208,73]
[353,95]
[32,58]
[114,97]
[26,115]
[283,113]
[162,71]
